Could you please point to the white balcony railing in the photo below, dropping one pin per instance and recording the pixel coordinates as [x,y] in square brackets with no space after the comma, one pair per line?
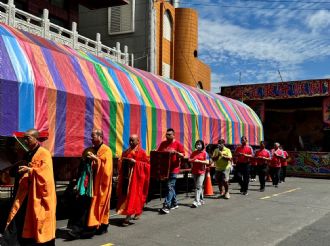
[42,27]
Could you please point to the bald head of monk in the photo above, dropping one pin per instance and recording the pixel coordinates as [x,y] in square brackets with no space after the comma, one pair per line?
[134,141]
[97,137]
[31,138]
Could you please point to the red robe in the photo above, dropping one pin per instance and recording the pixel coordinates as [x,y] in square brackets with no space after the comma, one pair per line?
[133,201]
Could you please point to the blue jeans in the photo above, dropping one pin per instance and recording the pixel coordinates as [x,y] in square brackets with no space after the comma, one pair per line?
[170,199]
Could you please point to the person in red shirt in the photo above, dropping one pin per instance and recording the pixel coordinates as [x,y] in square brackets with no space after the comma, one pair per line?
[284,164]
[262,157]
[198,158]
[173,146]
[243,153]
[275,164]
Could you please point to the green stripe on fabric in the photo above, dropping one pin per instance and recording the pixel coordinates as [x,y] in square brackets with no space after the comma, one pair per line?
[113,107]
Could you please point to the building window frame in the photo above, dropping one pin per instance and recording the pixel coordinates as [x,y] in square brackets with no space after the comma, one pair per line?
[131,4]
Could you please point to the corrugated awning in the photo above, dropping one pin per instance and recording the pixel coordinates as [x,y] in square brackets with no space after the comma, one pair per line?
[52,87]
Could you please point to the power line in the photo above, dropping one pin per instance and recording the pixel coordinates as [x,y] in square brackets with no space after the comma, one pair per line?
[257,7]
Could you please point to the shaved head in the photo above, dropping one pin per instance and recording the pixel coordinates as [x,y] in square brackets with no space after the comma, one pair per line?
[31,138]
[97,137]
[32,132]
[134,140]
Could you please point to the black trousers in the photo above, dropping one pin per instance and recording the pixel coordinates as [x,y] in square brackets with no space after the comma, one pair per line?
[262,173]
[253,171]
[275,174]
[243,175]
[283,173]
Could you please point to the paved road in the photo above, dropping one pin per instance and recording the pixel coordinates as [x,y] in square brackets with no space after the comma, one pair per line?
[296,213]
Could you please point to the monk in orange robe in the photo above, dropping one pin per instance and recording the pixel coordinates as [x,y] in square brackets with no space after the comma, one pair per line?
[95,218]
[133,181]
[34,206]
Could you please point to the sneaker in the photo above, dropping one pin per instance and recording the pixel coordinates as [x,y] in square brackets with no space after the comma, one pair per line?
[175,206]
[165,210]
[262,190]
[202,202]
[245,193]
[227,196]
[194,205]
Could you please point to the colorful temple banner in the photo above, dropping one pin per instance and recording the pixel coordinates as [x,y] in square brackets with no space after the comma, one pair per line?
[54,88]
[309,164]
[293,89]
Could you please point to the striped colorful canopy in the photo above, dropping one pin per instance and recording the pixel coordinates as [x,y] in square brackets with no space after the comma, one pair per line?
[48,86]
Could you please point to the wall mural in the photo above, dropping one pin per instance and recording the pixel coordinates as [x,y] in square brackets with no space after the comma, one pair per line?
[309,163]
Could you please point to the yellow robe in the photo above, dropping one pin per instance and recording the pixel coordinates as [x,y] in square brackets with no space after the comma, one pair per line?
[39,187]
[102,186]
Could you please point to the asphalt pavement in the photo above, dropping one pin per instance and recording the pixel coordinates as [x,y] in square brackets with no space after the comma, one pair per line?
[296,213]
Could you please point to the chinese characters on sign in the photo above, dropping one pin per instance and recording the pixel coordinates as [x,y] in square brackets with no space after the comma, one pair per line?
[295,89]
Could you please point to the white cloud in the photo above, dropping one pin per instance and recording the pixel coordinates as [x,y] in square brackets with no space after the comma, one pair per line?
[284,46]
[259,42]
[319,21]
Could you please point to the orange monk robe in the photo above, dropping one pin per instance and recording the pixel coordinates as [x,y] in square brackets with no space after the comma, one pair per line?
[100,206]
[38,187]
[133,201]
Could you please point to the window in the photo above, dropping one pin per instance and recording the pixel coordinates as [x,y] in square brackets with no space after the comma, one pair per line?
[199,85]
[121,18]
[166,70]
[167,26]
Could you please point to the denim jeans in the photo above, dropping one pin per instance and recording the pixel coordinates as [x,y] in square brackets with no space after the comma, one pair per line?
[170,199]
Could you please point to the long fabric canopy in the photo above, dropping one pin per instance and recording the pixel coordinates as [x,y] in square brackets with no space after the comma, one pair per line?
[49,86]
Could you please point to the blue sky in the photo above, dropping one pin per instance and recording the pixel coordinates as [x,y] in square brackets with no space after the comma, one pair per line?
[258,38]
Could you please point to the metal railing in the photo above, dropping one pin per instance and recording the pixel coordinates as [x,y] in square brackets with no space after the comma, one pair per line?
[42,27]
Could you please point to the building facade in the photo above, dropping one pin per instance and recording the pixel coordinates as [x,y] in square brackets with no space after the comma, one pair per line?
[62,12]
[297,115]
[162,37]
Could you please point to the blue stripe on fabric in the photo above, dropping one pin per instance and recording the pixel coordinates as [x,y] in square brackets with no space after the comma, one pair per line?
[24,75]
[89,112]
[61,101]
[143,113]
[8,94]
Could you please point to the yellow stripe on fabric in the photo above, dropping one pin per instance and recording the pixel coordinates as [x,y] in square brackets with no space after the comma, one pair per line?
[120,112]
[229,124]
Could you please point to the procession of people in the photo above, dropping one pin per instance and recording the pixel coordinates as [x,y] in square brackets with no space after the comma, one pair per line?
[32,219]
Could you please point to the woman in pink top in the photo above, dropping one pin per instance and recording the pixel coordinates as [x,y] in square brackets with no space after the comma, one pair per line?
[198,160]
